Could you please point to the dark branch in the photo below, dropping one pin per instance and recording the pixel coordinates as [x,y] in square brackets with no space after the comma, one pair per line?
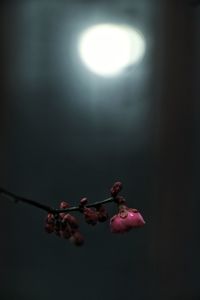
[77,208]
[16,198]
[46,208]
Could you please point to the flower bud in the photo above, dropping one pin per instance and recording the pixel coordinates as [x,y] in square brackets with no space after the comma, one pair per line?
[91,216]
[120,200]
[49,228]
[116,188]
[102,213]
[71,220]
[50,218]
[64,205]
[77,239]
[83,201]
[62,215]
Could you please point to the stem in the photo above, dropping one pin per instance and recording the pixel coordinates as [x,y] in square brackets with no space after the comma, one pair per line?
[16,198]
[46,208]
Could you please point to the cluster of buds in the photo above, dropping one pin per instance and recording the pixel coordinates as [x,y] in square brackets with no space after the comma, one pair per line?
[65,225]
[93,215]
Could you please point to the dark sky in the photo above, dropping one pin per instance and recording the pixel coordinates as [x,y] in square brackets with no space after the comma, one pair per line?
[67,133]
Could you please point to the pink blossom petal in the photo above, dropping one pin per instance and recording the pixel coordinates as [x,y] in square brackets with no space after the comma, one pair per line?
[134,219]
[117,225]
[126,219]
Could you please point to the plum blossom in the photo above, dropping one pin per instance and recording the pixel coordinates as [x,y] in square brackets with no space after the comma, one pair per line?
[126,219]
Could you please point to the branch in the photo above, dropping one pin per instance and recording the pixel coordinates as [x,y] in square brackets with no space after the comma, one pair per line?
[65,225]
[49,209]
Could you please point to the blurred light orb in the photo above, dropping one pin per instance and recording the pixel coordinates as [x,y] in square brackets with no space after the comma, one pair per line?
[108,49]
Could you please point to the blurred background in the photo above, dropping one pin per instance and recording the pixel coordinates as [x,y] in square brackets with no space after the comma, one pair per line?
[66,133]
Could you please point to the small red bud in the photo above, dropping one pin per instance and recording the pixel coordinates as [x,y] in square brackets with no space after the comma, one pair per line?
[91,216]
[116,188]
[83,201]
[102,213]
[62,215]
[77,239]
[49,228]
[66,233]
[120,200]
[64,205]
[71,220]
[50,218]
[126,219]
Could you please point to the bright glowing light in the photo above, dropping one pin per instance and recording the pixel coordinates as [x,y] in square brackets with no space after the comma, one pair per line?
[107,49]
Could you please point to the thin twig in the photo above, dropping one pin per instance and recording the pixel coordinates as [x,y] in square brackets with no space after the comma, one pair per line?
[49,209]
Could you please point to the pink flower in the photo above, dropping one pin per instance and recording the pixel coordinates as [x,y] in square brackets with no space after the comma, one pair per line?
[126,219]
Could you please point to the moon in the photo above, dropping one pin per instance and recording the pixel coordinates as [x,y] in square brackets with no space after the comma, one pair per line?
[108,49]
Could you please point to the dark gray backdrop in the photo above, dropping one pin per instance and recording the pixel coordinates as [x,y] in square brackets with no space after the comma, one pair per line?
[67,133]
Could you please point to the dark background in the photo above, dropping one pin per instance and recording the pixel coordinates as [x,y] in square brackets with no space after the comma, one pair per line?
[67,133]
